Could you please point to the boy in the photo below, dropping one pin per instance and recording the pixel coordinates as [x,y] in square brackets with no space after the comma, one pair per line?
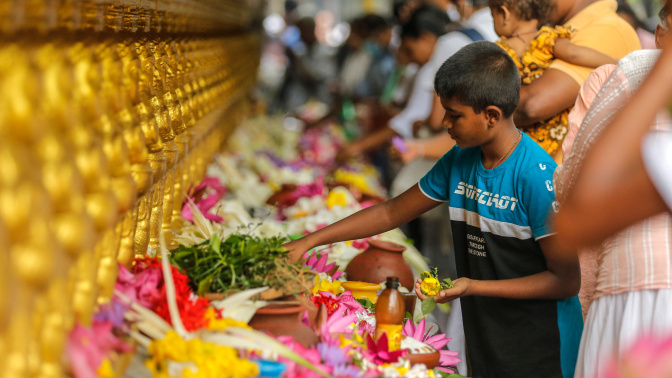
[499,185]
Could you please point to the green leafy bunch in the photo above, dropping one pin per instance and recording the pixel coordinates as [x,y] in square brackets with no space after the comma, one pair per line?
[237,263]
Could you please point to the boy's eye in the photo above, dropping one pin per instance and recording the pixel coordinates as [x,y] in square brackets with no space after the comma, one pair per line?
[454,117]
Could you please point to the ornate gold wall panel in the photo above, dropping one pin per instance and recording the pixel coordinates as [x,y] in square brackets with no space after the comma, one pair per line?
[109,112]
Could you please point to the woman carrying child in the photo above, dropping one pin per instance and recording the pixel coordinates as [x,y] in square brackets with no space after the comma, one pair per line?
[533,48]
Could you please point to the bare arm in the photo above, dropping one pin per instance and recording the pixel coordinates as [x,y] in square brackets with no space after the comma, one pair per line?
[561,280]
[368,222]
[436,115]
[367,143]
[580,55]
[613,189]
[545,97]
[431,148]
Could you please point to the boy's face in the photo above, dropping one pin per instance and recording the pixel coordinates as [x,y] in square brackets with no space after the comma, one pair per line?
[465,126]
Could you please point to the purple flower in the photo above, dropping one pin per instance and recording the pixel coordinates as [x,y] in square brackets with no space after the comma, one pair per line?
[112,312]
[346,371]
[332,354]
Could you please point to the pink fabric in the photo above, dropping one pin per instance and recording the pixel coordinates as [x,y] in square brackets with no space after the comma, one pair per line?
[587,256]
[587,94]
[640,257]
[647,39]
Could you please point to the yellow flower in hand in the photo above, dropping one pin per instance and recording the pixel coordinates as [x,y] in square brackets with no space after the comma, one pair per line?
[430,286]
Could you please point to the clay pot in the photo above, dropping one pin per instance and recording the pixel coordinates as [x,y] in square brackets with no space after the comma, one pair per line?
[284,320]
[428,356]
[284,196]
[381,260]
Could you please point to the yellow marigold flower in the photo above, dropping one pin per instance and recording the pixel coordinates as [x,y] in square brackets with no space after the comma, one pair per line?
[200,359]
[105,369]
[430,286]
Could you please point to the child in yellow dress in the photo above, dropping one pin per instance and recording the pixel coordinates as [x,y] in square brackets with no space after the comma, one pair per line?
[533,49]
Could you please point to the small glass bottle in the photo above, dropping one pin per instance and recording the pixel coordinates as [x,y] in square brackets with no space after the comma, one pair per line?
[390,311]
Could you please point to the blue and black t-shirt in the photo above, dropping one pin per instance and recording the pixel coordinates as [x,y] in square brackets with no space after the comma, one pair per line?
[496,217]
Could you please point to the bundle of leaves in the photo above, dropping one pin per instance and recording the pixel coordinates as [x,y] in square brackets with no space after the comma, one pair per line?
[240,262]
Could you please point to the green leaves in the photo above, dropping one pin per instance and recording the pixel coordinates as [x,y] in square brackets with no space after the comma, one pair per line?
[428,305]
[446,284]
[237,263]
[367,304]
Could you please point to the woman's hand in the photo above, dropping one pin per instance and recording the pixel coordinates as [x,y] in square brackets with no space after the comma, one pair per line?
[460,289]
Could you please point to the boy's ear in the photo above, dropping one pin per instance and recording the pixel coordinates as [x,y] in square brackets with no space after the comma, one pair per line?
[493,115]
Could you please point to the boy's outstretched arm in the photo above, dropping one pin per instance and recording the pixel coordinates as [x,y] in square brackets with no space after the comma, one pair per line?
[368,222]
[561,280]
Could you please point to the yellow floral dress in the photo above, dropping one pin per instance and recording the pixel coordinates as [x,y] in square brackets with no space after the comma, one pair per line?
[534,62]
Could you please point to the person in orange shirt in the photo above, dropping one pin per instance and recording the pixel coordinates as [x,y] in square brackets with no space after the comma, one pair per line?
[598,27]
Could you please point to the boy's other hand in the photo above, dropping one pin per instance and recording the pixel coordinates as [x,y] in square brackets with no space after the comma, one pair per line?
[460,289]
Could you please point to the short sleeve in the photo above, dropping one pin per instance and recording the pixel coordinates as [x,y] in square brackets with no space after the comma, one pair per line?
[446,46]
[435,184]
[587,94]
[418,108]
[538,197]
[611,38]
[657,156]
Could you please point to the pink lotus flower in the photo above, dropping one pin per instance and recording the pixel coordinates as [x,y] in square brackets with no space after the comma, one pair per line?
[87,348]
[379,353]
[295,370]
[649,357]
[215,189]
[337,323]
[448,358]
[317,262]
[348,301]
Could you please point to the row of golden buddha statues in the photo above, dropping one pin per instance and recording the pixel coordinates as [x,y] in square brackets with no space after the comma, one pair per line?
[101,136]
[164,16]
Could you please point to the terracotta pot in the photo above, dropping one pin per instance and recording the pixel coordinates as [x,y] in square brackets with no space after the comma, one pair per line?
[428,355]
[381,260]
[284,320]
[284,196]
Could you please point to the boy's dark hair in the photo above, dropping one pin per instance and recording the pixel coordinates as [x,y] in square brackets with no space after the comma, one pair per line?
[426,19]
[526,10]
[665,13]
[479,75]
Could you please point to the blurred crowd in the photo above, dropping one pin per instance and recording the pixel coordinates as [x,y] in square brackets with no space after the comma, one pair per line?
[581,63]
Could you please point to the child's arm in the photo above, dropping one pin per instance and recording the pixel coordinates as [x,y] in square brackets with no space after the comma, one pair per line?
[561,280]
[368,222]
[580,55]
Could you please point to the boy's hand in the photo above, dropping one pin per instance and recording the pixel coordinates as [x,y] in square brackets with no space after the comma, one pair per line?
[297,248]
[460,289]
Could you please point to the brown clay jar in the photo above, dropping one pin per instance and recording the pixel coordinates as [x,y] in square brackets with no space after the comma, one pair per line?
[381,260]
[284,320]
